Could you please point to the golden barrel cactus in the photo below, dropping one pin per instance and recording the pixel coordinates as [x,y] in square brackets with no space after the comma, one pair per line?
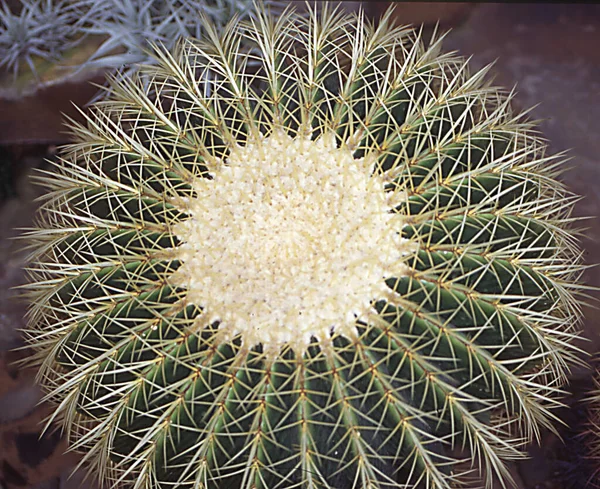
[304,252]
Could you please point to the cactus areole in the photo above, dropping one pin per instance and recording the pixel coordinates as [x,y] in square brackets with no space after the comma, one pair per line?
[303,251]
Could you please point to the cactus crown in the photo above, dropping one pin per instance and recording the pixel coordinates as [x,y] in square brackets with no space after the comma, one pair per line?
[269,258]
[304,252]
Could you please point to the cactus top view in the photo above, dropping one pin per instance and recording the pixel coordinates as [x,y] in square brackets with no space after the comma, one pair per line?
[304,251]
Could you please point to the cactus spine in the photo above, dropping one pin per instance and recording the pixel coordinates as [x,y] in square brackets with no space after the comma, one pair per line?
[304,252]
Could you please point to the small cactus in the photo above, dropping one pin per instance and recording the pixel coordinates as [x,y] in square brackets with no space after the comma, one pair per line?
[131,27]
[304,251]
[44,29]
[39,40]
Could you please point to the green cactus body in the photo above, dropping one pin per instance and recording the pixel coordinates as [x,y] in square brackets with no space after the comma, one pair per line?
[304,252]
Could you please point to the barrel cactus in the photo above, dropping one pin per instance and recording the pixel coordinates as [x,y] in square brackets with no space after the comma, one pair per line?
[304,251]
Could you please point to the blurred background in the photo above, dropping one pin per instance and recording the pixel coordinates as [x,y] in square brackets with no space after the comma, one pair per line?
[549,52]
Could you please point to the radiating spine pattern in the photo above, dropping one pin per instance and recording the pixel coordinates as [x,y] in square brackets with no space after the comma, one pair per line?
[305,251]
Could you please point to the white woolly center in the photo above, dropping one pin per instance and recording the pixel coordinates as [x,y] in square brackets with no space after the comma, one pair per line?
[291,239]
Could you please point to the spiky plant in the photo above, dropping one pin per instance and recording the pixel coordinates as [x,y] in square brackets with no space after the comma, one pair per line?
[44,29]
[308,252]
[131,27]
[120,34]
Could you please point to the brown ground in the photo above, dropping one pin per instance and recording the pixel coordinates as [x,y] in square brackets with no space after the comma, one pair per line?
[551,52]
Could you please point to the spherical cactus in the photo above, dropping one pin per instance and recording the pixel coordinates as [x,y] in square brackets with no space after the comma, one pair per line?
[304,251]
